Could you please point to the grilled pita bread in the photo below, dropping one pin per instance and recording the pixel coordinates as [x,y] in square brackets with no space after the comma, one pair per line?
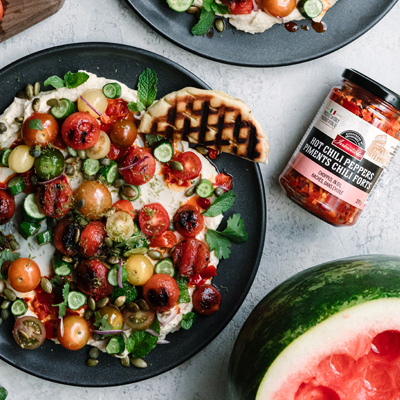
[208,117]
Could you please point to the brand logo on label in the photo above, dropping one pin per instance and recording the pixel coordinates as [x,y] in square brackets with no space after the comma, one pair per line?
[352,143]
[377,150]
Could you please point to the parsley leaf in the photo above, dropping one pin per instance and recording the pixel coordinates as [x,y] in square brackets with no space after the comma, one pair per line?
[205,22]
[141,343]
[187,320]
[150,139]
[220,205]
[7,255]
[56,281]
[72,81]
[235,229]
[54,81]
[184,296]
[35,124]
[102,322]
[147,91]
[63,306]
[220,244]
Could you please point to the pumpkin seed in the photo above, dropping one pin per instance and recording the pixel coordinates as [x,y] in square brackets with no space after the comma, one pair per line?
[3,127]
[19,120]
[176,165]
[133,307]
[4,314]
[218,191]
[67,259]
[108,242]
[70,160]
[129,191]
[154,254]
[5,304]
[192,10]
[91,362]
[94,352]
[113,260]
[53,103]
[5,266]
[36,104]
[29,91]
[87,316]
[219,26]
[77,235]
[82,154]
[143,305]
[190,191]
[138,362]
[105,161]
[36,88]
[202,150]
[14,245]
[119,182]
[91,304]
[69,170]
[119,301]
[46,285]
[21,94]
[102,302]
[10,294]
[125,361]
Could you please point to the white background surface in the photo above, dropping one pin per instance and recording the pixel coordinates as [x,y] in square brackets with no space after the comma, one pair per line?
[285,101]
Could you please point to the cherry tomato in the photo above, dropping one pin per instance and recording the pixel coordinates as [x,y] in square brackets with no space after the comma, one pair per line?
[153,219]
[166,239]
[224,181]
[64,237]
[123,133]
[92,238]
[29,332]
[139,320]
[161,292]
[24,275]
[91,277]
[191,256]
[143,166]
[55,199]
[212,153]
[96,199]
[80,131]
[115,152]
[114,316]
[125,205]
[7,207]
[73,333]
[278,8]
[139,268]
[206,299]
[39,137]
[117,109]
[191,166]
[203,203]
[188,221]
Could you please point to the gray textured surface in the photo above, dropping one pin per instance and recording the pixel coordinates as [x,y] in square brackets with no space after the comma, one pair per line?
[285,100]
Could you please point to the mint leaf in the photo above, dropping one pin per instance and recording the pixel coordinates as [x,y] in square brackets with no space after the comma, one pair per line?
[150,139]
[147,87]
[184,296]
[220,8]
[74,80]
[207,4]
[220,205]
[187,320]
[220,244]
[235,229]
[136,107]
[35,124]
[56,281]
[205,22]
[7,255]
[141,343]
[63,306]
[54,81]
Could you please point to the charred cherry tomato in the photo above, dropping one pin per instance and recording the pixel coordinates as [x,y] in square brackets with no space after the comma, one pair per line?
[125,205]
[203,203]
[55,199]
[237,7]
[224,181]
[153,219]
[24,275]
[167,239]
[114,316]
[29,332]
[33,136]
[115,152]
[161,292]
[278,8]
[117,109]
[93,199]
[123,133]
[191,256]
[92,238]
[206,300]
[64,237]
[139,320]
[73,333]
[188,221]
[91,277]
[7,207]
[80,131]
[191,166]
[143,166]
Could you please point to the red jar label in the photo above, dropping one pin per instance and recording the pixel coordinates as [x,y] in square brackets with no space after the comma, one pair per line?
[344,154]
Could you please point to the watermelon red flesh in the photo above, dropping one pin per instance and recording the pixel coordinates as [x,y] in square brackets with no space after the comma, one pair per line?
[321,311]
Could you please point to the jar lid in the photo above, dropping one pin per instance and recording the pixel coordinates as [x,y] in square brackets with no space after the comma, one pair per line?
[373,87]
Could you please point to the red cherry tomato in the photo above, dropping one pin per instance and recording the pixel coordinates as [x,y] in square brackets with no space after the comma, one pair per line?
[161,292]
[167,239]
[224,181]
[143,166]
[191,166]
[7,207]
[24,275]
[203,203]
[206,300]
[73,333]
[92,238]
[125,205]
[29,332]
[212,153]
[80,131]
[191,256]
[153,219]
[237,7]
[55,199]
[40,137]
[91,277]
[117,110]
[115,152]
[188,221]
[64,237]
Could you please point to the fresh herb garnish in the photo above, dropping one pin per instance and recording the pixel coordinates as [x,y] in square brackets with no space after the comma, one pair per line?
[150,139]
[35,124]
[220,205]
[184,296]
[7,255]
[63,306]
[71,80]
[187,320]
[127,290]
[207,16]
[102,322]
[235,229]
[141,343]
[220,244]
[147,91]
[56,281]
[3,393]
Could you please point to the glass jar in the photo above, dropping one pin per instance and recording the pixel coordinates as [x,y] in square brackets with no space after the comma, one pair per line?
[348,145]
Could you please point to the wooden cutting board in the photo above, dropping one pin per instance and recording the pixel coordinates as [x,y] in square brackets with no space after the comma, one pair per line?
[22,14]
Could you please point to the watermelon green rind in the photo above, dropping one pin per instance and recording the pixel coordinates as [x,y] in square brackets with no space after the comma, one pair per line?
[300,303]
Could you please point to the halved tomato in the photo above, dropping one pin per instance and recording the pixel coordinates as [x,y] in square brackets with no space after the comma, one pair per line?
[224,181]
[140,166]
[238,7]
[191,166]
[153,219]
[117,110]
[167,239]
[125,205]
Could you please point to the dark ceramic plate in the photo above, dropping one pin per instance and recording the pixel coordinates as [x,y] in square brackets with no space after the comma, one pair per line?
[347,21]
[235,275]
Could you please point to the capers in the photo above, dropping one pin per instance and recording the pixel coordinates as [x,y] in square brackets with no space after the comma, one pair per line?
[119,301]
[94,352]
[69,170]
[202,150]
[19,120]
[133,307]
[21,94]
[143,305]
[91,303]
[88,314]
[218,191]
[176,165]
[80,203]
[3,127]
[35,151]
[10,294]
[70,160]
[4,314]
[5,304]
[154,254]
[91,362]
[219,25]
[36,88]
[29,91]
[119,182]
[14,245]
[82,154]
[102,302]
[5,266]
[105,161]
[36,104]
[125,361]
[190,191]
[46,285]
[129,191]
[53,102]
[138,362]
[67,259]
[34,180]
[108,242]
[192,10]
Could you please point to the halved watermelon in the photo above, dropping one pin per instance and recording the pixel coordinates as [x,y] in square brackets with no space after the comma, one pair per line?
[331,332]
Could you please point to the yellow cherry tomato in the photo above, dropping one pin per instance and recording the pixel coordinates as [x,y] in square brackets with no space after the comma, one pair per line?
[96,99]
[140,269]
[20,160]
[101,148]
